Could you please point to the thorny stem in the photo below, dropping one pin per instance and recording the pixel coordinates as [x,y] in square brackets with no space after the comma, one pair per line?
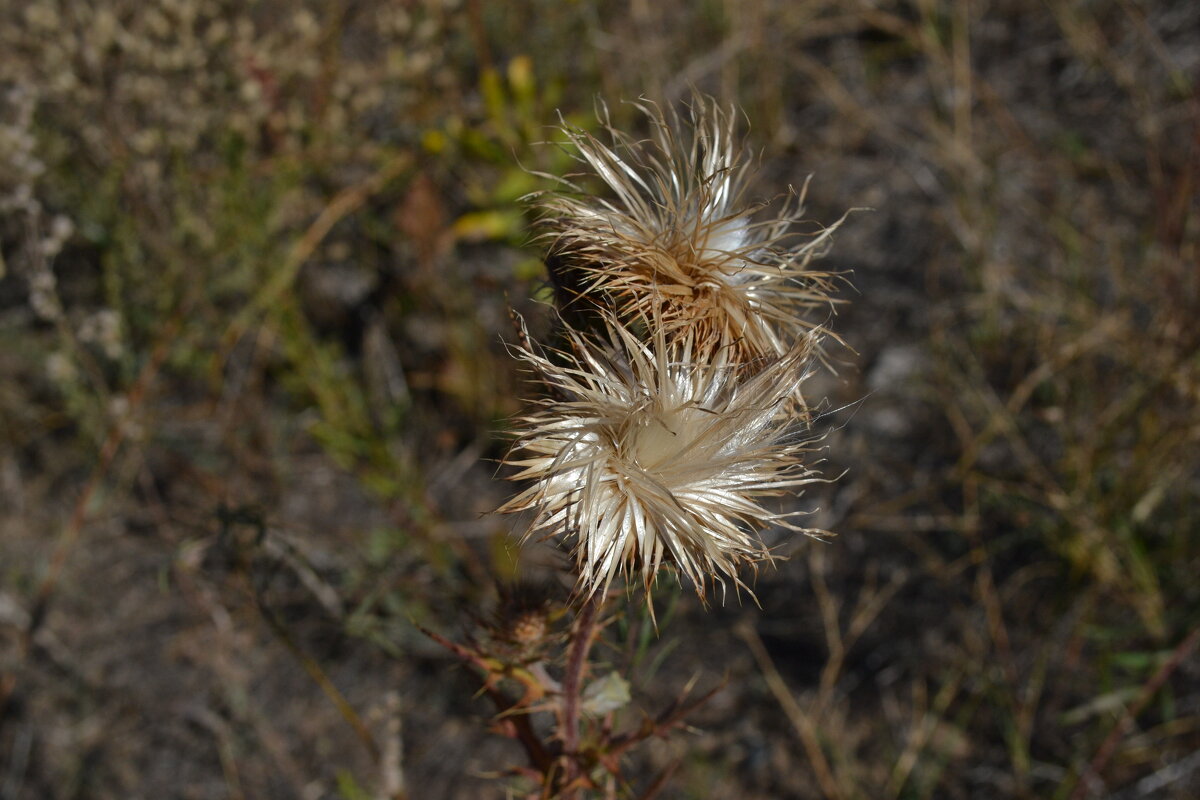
[563,771]
[582,638]
[518,725]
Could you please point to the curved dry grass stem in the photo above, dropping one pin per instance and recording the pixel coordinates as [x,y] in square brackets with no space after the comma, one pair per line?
[802,720]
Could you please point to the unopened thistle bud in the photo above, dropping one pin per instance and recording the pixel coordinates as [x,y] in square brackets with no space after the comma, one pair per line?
[521,626]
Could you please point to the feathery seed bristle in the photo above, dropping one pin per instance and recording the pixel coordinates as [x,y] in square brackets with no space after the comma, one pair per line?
[676,241]
[656,459]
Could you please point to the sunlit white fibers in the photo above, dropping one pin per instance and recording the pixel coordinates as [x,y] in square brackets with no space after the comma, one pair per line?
[650,460]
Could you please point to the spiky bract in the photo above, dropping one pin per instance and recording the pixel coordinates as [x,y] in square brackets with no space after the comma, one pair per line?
[677,243]
[653,458]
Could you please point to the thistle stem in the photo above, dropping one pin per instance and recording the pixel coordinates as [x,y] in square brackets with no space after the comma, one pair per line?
[582,638]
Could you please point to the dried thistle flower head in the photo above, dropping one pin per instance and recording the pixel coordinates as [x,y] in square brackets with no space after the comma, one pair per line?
[677,242]
[653,458]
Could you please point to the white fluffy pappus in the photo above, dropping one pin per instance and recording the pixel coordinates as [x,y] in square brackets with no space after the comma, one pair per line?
[648,459]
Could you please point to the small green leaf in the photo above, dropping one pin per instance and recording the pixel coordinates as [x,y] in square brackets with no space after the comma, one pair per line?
[349,789]
[484,225]
[606,694]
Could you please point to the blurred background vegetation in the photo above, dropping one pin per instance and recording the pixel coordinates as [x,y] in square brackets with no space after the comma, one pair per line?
[257,261]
